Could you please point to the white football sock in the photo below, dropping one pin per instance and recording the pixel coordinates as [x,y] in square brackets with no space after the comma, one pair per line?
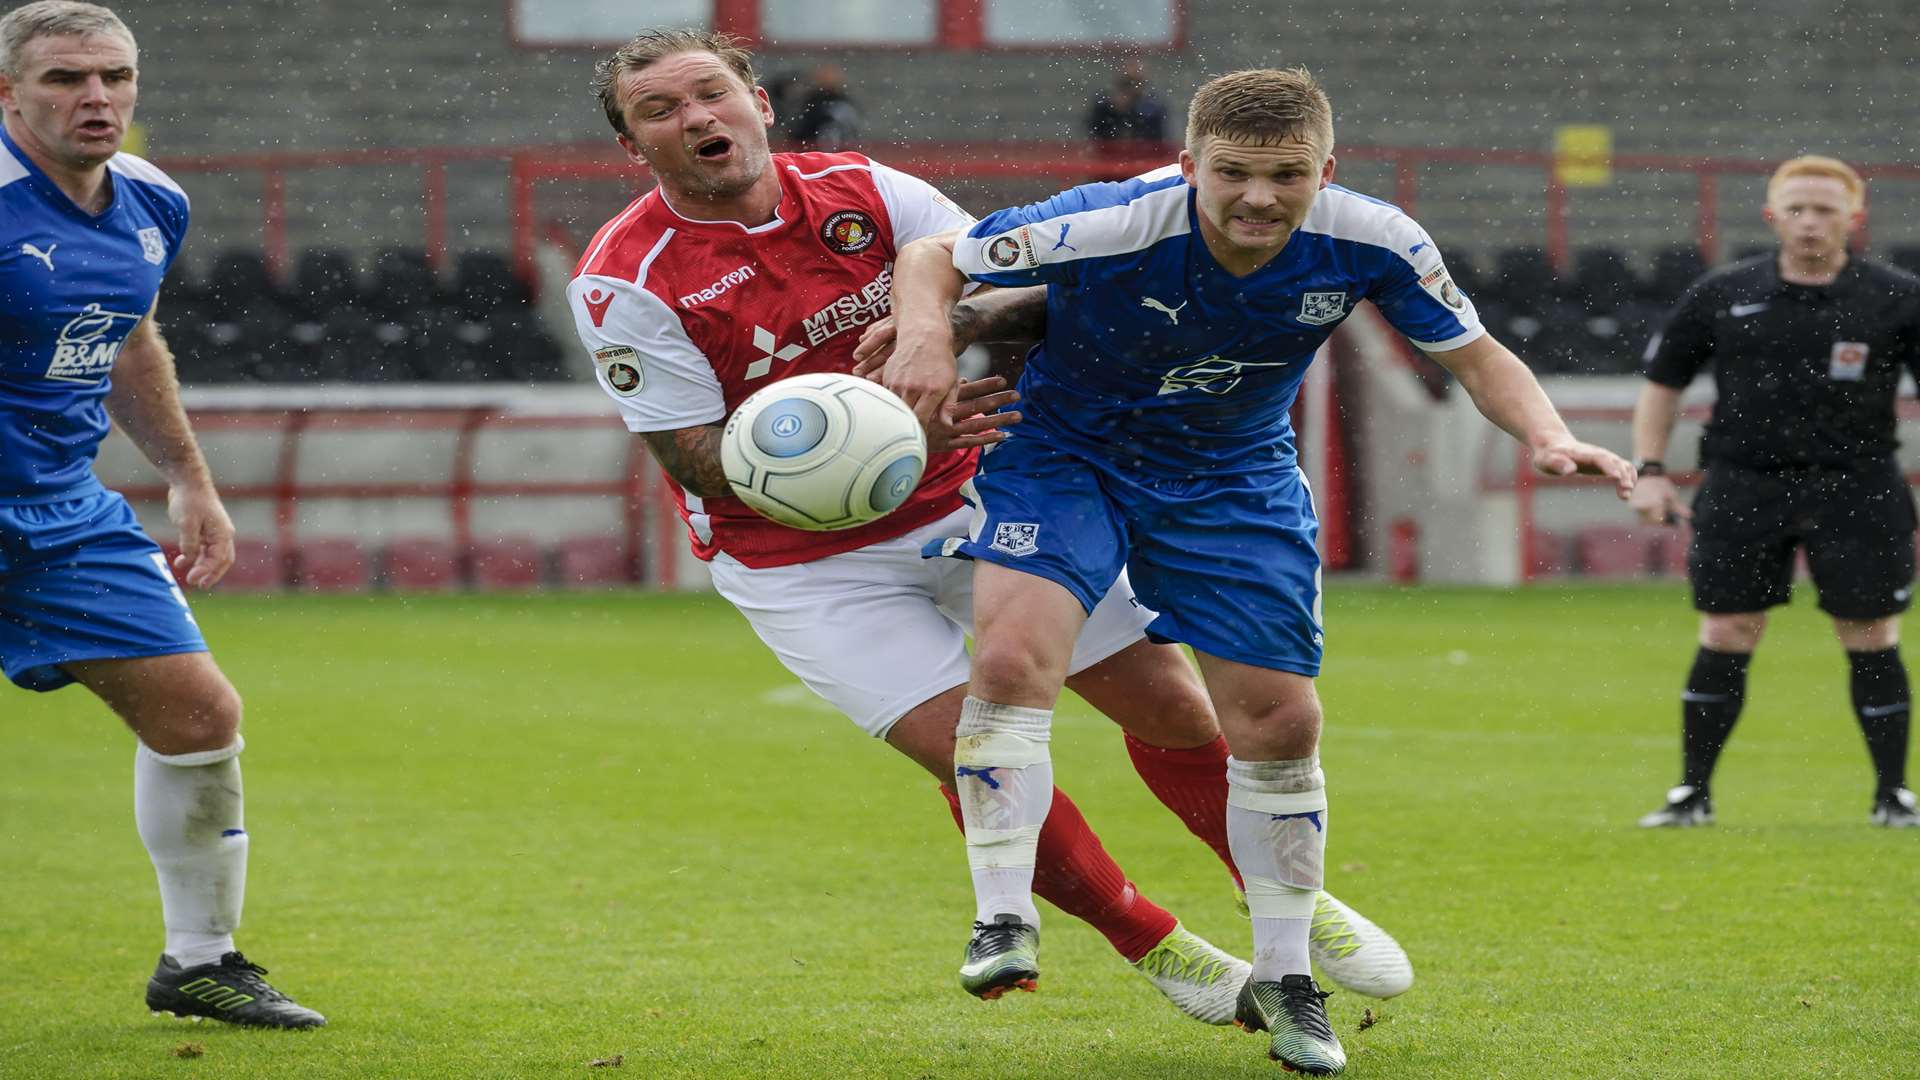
[1277,830]
[1005,781]
[188,810]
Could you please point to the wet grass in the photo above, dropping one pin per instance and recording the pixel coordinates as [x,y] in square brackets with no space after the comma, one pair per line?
[510,837]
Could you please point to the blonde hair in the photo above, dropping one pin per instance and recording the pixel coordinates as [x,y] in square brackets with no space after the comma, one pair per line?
[650,45]
[1264,105]
[56,18]
[1825,167]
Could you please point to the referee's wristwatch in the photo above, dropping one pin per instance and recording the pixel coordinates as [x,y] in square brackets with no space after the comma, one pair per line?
[1650,467]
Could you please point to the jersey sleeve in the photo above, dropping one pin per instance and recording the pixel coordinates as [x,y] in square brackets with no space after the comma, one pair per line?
[642,356]
[1048,242]
[1684,343]
[1417,295]
[916,208]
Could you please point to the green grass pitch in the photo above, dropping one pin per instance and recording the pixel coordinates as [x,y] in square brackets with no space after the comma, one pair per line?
[509,837]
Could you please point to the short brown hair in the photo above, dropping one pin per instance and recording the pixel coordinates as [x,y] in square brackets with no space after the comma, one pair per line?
[1817,165]
[1263,104]
[649,46]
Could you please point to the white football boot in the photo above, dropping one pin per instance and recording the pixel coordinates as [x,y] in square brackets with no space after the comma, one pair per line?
[1200,979]
[1354,953]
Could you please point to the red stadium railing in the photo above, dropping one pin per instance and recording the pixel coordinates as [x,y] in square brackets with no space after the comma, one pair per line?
[1527,484]
[1070,162]
[645,497]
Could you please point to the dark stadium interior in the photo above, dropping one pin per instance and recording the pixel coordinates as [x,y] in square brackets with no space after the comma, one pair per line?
[352,297]
[396,320]
[390,317]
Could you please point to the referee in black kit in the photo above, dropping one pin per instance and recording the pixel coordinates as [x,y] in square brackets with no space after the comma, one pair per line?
[1807,346]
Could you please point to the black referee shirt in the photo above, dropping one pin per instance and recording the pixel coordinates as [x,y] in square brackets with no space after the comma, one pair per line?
[1806,374]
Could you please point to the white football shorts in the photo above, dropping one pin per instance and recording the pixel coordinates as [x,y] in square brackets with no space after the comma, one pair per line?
[879,630]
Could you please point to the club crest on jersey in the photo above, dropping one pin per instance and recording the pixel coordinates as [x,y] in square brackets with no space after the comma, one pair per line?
[1016,538]
[1012,249]
[621,366]
[152,247]
[85,352]
[1848,363]
[848,232]
[1321,308]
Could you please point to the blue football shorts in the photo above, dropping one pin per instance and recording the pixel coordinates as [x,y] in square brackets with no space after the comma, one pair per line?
[1228,562]
[80,580]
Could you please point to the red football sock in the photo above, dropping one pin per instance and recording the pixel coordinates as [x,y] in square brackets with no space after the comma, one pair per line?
[1193,784]
[1074,873]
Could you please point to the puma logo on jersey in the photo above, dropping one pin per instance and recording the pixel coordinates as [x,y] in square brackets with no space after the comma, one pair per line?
[1062,242]
[597,302]
[44,256]
[1172,313]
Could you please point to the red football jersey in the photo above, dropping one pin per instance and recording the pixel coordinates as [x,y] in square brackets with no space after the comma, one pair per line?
[685,319]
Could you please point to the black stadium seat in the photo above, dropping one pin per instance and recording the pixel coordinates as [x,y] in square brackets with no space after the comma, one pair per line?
[238,278]
[484,281]
[1674,268]
[1603,280]
[402,284]
[323,281]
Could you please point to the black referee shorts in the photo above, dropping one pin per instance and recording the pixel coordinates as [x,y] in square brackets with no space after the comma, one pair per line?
[1856,524]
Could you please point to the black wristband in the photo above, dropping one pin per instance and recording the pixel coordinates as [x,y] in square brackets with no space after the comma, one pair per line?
[1652,467]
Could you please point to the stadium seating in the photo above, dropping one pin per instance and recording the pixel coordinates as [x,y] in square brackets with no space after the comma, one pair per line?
[505,562]
[1614,551]
[1550,554]
[421,564]
[335,564]
[1674,268]
[401,324]
[258,566]
[591,562]
[1670,551]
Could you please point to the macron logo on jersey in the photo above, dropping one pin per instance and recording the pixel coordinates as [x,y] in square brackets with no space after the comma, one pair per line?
[737,276]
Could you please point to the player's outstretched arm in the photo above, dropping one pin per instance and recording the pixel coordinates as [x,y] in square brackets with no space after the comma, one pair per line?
[691,455]
[1505,392]
[1654,497]
[989,315]
[145,402]
[922,369]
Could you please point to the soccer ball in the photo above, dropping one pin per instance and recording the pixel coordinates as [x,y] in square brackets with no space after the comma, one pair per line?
[823,451]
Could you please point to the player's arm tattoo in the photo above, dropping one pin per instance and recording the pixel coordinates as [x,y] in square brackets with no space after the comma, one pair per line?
[691,455]
[145,402]
[991,315]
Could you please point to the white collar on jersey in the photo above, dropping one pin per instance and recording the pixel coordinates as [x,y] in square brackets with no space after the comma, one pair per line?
[750,230]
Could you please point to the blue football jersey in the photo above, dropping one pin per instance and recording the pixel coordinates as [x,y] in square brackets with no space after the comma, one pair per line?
[1156,356]
[72,287]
